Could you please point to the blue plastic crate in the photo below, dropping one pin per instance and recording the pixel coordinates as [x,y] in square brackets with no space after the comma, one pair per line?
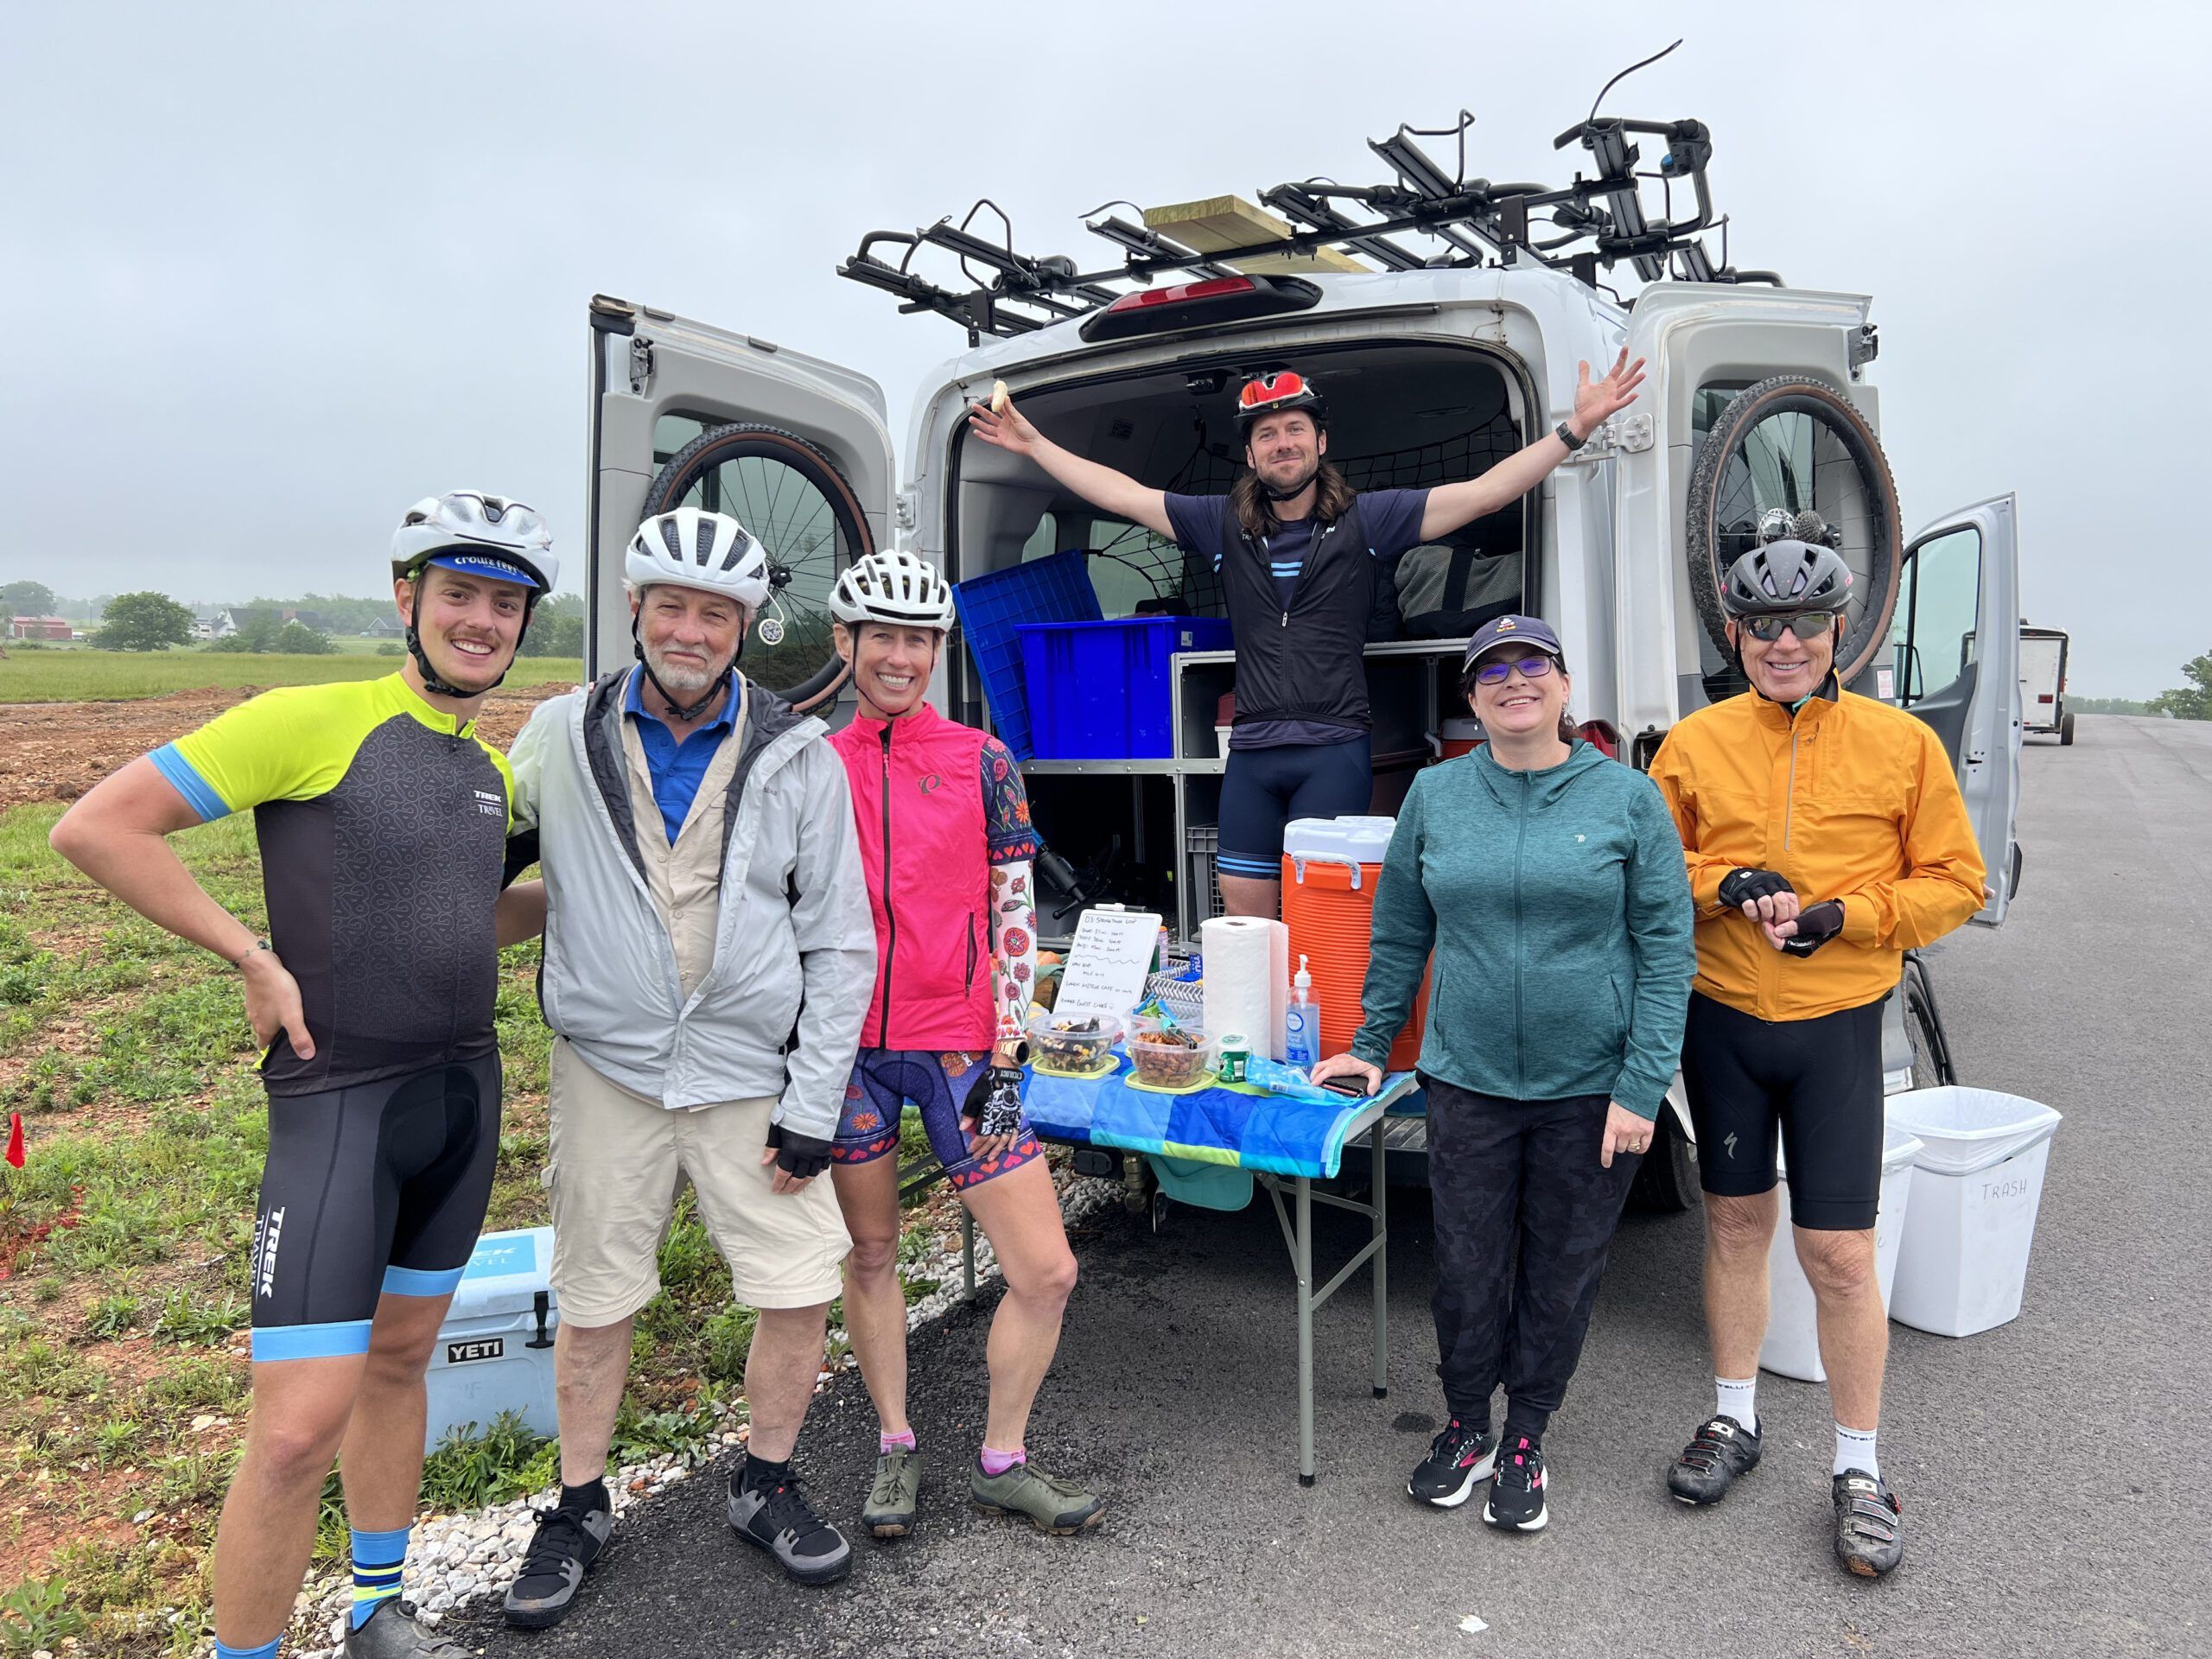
[1054,590]
[1101,691]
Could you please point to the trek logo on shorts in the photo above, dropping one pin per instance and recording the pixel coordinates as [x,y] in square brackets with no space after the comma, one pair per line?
[462,1353]
[492,805]
[267,1232]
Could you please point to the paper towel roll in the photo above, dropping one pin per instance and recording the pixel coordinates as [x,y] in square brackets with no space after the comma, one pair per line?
[1247,981]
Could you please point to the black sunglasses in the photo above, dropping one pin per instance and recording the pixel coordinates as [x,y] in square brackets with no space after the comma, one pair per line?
[1495,673]
[1806,624]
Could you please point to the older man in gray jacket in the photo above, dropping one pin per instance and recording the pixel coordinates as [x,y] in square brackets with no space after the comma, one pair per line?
[709,957]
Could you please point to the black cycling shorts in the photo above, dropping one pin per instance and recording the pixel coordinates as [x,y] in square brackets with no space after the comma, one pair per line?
[1262,790]
[1819,1082]
[376,1190]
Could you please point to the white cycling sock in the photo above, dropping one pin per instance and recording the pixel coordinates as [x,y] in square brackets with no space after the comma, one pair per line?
[1854,1449]
[1739,1399]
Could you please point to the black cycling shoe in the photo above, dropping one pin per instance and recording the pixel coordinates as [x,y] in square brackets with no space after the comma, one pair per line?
[568,1541]
[777,1518]
[1721,1450]
[1458,1459]
[1868,1523]
[1516,1489]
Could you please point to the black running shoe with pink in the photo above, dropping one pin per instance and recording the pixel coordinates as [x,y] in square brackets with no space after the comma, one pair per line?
[1518,1488]
[1721,1449]
[1459,1459]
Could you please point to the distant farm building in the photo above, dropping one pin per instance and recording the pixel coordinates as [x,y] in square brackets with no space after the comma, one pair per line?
[39,627]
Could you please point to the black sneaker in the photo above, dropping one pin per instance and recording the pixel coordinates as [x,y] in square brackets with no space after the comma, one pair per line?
[568,1541]
[1458,1458]
[1516,1489]
[1868,1523]
[1721,1450]
[778,1519]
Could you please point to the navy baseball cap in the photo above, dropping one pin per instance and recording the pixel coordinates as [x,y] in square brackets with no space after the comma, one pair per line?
[1513,630]
[470,563]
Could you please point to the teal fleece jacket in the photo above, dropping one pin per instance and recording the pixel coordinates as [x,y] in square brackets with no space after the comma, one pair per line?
[1559,909]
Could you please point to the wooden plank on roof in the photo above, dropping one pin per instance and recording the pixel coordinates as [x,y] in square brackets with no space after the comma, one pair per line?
[1221,222]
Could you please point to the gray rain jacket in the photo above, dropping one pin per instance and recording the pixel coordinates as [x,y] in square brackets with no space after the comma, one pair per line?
[779,1012]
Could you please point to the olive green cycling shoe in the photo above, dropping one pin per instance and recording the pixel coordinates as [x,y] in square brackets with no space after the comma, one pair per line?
[890,1509]
[1053,1505]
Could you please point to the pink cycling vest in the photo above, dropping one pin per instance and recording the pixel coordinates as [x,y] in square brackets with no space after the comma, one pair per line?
[918,803]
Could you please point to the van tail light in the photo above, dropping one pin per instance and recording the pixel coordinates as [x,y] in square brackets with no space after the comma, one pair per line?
[1200,304]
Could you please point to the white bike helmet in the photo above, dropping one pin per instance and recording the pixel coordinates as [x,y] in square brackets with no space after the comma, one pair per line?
[483,535]
[897,587]
[690,548]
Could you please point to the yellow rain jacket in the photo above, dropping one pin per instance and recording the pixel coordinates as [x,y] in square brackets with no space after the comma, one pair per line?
[1852,800]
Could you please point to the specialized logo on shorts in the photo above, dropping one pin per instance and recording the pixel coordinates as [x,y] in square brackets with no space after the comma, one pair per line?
[1728,1146]
[267,1232]
[489,805]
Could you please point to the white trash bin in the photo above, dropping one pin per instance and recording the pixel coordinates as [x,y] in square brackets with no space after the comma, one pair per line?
[495,1350]
[1976,1186]
[1792,1347]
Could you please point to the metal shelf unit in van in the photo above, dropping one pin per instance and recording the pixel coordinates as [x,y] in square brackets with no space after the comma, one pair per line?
[1410,687]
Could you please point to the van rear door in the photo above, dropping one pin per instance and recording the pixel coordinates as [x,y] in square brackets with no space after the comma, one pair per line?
[1956,636]
[797,449]
[1701,342]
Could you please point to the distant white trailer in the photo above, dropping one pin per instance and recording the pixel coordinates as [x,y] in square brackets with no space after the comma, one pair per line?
[2043,683]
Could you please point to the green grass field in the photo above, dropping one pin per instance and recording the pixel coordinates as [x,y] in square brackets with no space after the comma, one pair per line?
[80,675]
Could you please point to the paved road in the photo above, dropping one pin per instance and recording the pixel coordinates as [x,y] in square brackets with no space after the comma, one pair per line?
[2054,1471]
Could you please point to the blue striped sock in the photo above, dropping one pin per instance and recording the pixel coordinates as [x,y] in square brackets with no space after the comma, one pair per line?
[266,1651]
[378,1557]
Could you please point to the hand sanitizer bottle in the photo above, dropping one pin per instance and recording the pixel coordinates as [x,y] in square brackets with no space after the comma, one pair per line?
[1301,1022]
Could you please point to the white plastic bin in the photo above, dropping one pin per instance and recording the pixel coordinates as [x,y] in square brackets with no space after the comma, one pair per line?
[1976,1187]
[495,1350]
[1792,1347]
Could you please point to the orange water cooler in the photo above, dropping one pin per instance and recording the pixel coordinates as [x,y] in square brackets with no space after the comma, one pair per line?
[1330,867]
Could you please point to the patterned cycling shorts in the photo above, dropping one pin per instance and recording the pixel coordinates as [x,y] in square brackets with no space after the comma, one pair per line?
[885,1081]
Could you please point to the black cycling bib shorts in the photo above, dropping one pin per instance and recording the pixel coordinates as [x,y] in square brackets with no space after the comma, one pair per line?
[1263,790]
[1816,1084]
[383,825]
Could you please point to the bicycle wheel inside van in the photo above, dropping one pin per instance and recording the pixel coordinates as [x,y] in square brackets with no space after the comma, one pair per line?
[1799,444]
[792,496]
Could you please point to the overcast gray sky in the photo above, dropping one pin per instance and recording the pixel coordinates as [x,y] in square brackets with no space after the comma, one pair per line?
[271,272]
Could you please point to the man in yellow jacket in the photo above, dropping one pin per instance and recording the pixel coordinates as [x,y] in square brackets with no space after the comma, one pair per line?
[1825,836]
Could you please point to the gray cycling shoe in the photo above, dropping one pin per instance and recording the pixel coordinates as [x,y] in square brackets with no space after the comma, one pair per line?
[778,1520]
[567,1542]
[1868,1523]
[890,1509]
[1053,1505]
[393,1633]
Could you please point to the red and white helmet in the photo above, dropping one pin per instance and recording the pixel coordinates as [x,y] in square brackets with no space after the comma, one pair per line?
[689,547]
[897,587]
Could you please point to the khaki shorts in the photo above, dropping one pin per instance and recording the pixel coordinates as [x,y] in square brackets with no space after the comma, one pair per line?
[618,1163]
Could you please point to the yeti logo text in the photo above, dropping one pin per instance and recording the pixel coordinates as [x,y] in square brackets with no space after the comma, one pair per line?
[271,1230]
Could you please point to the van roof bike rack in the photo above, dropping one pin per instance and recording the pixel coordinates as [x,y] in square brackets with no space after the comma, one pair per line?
[1596,222]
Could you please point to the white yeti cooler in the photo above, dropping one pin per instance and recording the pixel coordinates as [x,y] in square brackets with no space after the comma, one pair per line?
[495,1350]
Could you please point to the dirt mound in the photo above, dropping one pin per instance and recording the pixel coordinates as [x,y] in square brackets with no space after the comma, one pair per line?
[56,751]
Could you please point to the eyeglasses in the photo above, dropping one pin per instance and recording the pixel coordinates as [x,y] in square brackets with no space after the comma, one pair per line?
[1532,668]
[1806,624]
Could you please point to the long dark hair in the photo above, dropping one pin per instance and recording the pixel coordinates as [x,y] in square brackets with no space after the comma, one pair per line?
[1569,732]
[1255,514]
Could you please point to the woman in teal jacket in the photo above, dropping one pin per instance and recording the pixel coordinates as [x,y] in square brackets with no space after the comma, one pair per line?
[1549,881]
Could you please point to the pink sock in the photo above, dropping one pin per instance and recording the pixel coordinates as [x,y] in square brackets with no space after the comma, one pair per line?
[886,1443]
[997,1463]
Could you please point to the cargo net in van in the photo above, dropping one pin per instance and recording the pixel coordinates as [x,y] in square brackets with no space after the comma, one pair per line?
[1187,584]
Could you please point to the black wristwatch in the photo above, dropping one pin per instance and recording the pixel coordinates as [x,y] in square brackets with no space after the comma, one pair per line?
[1564,434]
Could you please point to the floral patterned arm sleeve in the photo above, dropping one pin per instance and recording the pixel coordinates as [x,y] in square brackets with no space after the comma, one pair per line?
[1012,851]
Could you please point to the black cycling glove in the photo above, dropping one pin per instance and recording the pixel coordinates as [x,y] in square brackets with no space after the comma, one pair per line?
[801,1156]
[993,1103]
[1815,927]
[1740,886]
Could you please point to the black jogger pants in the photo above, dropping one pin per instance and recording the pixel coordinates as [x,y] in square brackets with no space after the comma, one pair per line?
[1517,1178]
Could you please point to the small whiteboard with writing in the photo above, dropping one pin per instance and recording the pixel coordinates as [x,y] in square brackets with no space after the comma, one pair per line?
[1108,963]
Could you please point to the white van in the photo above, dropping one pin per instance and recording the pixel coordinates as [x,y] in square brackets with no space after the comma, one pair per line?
[2043,683]
[1757,396]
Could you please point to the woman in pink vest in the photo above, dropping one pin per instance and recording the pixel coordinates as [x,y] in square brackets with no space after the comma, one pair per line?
[945,839]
